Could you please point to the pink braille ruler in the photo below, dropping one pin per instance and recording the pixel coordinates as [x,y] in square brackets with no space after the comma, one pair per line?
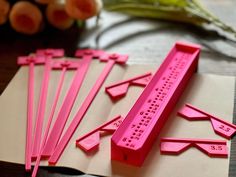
[220,126]
[90,141]
[111,60]
[134,138]
[57,129]
[118,90]
[63,65]
[48,54]
[31,61]
[175,146]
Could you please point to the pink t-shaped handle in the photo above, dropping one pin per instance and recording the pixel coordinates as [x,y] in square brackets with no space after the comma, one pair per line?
[90,141]
[48,54]
[213,148]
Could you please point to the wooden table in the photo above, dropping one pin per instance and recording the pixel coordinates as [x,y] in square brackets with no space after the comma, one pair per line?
[146,41]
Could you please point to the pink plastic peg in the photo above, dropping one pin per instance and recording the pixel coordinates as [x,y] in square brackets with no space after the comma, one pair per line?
[111,60]
[120,89]
[134,138]
[220,126]
[63,65]
[31,61]
[90,141]
[57,129]
[175,146]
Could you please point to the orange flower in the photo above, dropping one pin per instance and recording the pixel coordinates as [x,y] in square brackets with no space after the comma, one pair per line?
[58,17]
[25,17]
[4,9]
[83,9]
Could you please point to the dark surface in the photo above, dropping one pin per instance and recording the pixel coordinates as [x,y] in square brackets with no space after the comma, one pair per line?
[146,41]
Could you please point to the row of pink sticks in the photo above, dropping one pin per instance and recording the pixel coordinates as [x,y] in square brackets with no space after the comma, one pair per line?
[50,145]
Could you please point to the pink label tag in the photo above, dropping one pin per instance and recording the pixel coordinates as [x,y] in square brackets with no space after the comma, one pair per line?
[214,150]
[91,140]
[112,127]
[220,126]
[31,61]
[89,143]
[142,81]
[175,146]
[120,89]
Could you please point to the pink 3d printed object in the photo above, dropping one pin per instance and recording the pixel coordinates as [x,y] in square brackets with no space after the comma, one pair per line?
[111,60]
[134,138]
[220,126]
[120,89]
[175,146]
[87,55]
[90,141]
[31,61]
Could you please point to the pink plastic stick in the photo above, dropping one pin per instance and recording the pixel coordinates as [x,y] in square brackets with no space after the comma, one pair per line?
[134,138]
[41,108]
[69,100]
[30,115]
[220,126]
[88,146]
[112,59]
[64,65]
[119,89]
[31,61]
[213,148]
[48,54]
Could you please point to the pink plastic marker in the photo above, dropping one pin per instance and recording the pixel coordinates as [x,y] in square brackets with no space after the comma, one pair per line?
[220,126]
[111,60]
[175,146]
[48,54]
[63,65]
[31,61]
[90,141]
[118,90]
[57,129]
[134,138]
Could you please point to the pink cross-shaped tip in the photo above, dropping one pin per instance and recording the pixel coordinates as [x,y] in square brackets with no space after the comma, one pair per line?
[118,58]
[25,60]
[50,52]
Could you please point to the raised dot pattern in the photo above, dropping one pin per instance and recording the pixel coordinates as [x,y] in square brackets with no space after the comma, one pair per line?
[148,114]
